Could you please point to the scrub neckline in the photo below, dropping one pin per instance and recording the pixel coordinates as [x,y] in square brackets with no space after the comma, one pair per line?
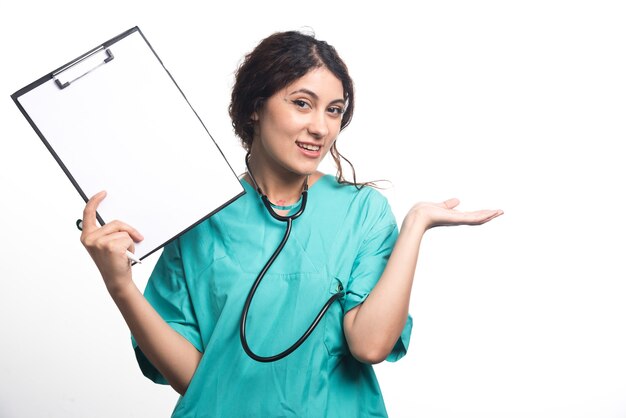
[289,208]
[312,186]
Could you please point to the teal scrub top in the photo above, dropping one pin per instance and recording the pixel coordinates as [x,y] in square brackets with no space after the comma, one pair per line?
[201,281]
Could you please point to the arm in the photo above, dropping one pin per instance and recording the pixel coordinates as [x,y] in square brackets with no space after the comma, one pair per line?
[174,356]
[373,327]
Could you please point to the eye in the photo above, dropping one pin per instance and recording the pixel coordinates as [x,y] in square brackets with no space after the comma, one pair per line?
[336,110]
[302,104]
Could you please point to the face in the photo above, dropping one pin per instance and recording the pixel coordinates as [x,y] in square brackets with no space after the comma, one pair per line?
[298,124]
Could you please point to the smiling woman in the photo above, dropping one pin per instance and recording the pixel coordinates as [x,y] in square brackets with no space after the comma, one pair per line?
[292,97]
[267,70]
[297,126]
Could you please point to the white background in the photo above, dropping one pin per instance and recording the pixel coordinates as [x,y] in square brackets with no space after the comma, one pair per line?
[511,105]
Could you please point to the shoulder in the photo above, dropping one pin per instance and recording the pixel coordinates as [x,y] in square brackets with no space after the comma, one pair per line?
[363,204]
[365,193]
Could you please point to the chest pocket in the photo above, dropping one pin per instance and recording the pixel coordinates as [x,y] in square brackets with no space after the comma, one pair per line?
[334,337]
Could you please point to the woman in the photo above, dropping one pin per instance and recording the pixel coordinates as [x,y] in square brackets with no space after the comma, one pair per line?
[292,97]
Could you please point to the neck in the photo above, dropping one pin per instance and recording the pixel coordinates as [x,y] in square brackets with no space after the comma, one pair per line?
[282,188]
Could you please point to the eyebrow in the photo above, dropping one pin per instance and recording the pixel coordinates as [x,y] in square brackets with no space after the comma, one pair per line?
[315,96]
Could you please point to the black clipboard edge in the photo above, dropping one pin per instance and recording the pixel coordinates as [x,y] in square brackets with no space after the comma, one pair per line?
[15,96]
[56,157]
[106,44]
[243,192]
[204,218]
[48,76]
[185,97]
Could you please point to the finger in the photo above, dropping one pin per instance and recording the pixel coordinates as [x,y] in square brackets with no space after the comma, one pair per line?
[116,244]
[451,203]
[89,213]
[495,215]
[118,226]
[478,217]
[120,240]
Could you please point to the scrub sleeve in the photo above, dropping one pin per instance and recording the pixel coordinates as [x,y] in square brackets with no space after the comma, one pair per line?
[368,267]
[170,297]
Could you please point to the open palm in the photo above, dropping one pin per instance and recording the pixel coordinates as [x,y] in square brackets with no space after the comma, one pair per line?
[431,215]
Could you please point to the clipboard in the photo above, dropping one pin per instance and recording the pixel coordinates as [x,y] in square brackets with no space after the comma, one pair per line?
[114,119]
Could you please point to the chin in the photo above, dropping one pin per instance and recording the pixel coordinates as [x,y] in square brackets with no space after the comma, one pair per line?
[302,169]
[303,166]
[308,170]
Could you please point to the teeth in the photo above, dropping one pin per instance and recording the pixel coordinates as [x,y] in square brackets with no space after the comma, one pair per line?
[309,147]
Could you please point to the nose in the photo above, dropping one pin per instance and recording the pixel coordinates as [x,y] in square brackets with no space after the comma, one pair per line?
[318,125]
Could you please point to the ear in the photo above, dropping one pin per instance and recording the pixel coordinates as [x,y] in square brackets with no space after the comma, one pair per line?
[255,116]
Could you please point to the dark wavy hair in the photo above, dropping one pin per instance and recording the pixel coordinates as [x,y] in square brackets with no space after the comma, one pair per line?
[277,61]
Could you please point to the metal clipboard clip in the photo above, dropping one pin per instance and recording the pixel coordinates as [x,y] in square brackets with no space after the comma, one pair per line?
[81,67]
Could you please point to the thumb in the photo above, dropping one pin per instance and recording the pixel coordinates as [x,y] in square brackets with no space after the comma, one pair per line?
[451,203]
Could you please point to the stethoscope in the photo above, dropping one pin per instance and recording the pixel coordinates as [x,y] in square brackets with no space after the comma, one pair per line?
[288,220]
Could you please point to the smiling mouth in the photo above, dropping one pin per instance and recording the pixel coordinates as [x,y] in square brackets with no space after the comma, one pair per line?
[309,147]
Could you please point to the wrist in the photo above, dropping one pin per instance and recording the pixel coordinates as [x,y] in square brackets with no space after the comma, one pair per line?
[414,223]
[121,289]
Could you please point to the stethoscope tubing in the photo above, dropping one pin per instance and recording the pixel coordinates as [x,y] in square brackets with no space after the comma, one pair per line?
[255,285]
[244,315]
